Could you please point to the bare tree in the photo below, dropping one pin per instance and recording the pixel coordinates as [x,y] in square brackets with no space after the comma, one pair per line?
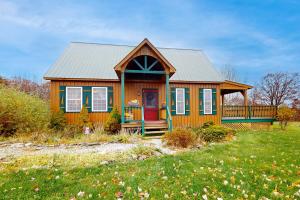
[30,87]
[2,80]
[277,88]
[229,73]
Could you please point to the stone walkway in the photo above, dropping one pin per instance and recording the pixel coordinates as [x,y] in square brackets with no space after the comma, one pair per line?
[23,149]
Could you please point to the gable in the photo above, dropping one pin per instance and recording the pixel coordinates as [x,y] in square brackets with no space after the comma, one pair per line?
[145,48]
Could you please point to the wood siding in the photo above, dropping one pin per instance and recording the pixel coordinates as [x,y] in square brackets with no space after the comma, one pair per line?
[133,90]
[194,119]
[94,117]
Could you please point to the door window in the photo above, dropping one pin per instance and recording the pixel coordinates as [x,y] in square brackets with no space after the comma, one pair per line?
[151,99]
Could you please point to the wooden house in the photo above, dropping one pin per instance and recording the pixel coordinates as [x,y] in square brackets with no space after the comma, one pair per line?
[154,88]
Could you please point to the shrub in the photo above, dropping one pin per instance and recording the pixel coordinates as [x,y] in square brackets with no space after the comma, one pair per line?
[180,137]
[113,123]
[20,112]
[284,115]
[83,119]
[213,133]
[141,151]
[122,138]
[207,124]
[58,120]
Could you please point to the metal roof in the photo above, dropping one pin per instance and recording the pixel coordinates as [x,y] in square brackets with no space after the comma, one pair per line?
[97,61]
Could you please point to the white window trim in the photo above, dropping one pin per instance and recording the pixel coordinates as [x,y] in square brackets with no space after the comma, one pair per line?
[210,90]
[177,113]
[106,105]
[68,98]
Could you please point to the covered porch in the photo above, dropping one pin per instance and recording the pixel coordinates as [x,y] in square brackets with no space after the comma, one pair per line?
[244,113]
[144,74]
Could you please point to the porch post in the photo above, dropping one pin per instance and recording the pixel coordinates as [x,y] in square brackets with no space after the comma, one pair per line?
[222,99]
[167,93]
[123,96]
[247,109]
[245,97]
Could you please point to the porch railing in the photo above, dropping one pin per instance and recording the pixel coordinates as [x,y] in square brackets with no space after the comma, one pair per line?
[169,119]
[249,112]
[135,114]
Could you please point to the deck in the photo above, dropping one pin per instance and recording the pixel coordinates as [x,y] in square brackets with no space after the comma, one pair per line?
[246,114]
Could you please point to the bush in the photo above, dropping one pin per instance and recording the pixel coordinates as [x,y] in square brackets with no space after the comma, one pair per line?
[58,120]
[122,138]
[213,133]
[145,151]
[284,115]
[20,112]
[113,123]
[83,119]
[180,137]
[207,124]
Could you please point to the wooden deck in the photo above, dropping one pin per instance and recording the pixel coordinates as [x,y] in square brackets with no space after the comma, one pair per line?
[238,114]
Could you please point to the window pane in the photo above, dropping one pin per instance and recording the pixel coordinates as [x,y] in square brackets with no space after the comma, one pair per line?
[207,101]
[180,101]
[151,99]
[73,99]
[99,99]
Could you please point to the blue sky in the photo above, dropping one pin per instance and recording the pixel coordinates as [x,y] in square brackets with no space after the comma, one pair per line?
[254,37]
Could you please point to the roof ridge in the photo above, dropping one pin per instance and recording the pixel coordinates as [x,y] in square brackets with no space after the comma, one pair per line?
[125,45]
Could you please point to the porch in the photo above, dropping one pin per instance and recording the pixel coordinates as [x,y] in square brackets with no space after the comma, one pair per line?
[144,76]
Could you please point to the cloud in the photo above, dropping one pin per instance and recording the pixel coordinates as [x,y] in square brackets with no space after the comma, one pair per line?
[43,27]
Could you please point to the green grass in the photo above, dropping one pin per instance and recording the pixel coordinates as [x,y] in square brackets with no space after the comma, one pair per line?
[253,166]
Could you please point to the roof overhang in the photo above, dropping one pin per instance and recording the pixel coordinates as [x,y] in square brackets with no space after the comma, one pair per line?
[228,87]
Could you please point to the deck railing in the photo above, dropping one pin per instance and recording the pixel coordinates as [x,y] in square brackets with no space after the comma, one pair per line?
[249,112]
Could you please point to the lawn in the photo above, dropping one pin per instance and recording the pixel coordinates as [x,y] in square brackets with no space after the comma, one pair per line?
[258,164]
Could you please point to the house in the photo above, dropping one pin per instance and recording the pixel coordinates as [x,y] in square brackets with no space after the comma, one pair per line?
[154,88]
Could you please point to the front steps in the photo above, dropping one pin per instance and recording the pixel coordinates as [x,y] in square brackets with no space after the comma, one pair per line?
[151,127]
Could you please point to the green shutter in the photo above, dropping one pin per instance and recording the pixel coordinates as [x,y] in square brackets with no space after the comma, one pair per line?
[62,98]
[187,101]
[201,106]
[110,98]
[87,97]
[214,101]
[173,101]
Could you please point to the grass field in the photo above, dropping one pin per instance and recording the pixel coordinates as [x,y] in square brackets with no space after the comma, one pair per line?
[259,164]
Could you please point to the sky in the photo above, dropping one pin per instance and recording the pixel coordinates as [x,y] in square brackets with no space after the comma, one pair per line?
[253,37]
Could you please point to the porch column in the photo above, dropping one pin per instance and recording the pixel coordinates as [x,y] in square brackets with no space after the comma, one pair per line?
[123,97]
[167,93]
[222,99]
[245,97]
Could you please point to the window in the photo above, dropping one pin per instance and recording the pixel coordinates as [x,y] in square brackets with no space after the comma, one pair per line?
[180,101]
[99,99]
[207,93]
[73,99]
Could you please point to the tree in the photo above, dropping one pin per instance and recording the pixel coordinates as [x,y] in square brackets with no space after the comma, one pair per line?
[41,90]
[284,115]
[296,107]
[230,74]
[277,88]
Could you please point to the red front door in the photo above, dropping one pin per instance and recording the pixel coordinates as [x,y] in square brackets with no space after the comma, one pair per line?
[150,102]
